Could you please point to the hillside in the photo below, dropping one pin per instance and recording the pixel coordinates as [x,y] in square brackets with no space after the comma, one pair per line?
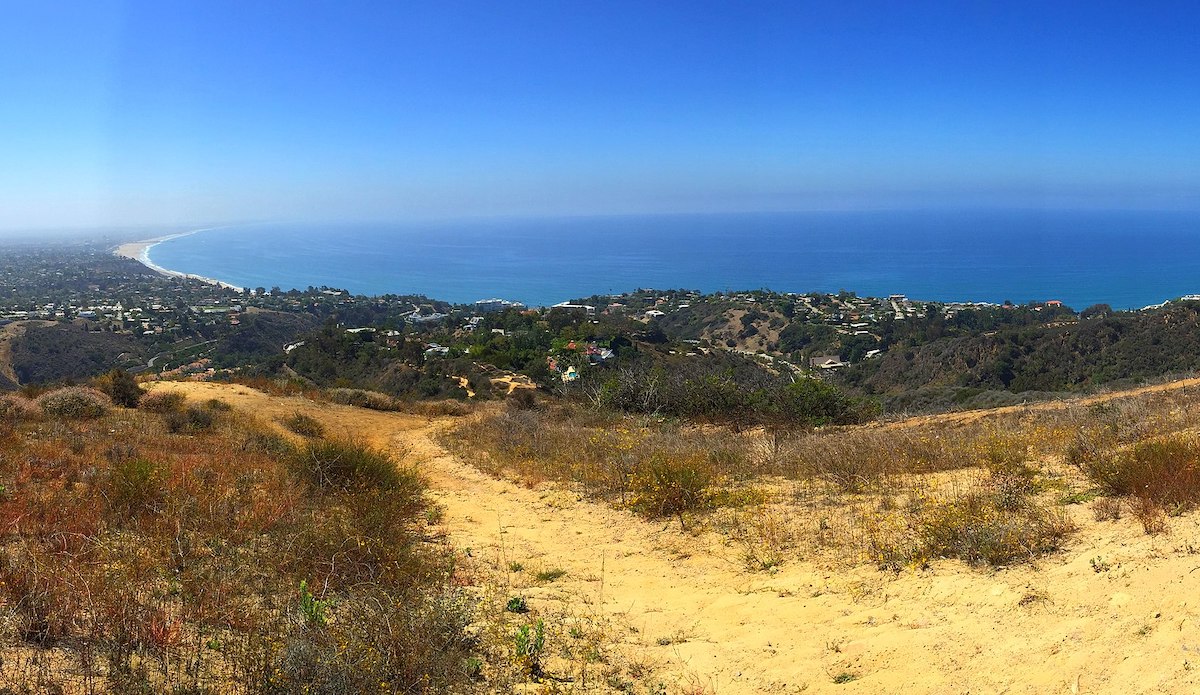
[1057,358]
[49,352]
[629,601]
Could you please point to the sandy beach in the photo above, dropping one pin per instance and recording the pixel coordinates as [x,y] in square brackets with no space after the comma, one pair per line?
[140,252]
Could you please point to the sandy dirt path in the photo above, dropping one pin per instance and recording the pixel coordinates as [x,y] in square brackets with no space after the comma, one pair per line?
[1117,612]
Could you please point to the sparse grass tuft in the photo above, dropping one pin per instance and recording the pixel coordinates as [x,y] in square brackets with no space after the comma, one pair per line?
[550,575]
[1106,509]
[765,538]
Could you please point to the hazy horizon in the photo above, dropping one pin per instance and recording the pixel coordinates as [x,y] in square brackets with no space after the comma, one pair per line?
[139,114]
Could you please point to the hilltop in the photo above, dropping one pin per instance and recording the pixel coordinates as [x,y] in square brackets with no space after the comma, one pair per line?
[700,594]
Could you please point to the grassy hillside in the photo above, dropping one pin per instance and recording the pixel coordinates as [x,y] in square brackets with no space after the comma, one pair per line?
[181,547]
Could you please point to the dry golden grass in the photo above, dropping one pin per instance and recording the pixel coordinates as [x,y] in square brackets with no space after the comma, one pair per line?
[140,557]
[986,490]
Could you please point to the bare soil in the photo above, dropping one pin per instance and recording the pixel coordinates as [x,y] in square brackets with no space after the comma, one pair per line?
[1117,612]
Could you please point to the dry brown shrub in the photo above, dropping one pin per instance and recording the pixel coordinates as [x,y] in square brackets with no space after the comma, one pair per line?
[1149,514]
[857,460]
[979,527]
[1106,509]
[16,408]
[162,401]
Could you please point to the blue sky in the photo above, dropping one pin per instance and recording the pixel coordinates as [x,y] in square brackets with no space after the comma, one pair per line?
[183,112]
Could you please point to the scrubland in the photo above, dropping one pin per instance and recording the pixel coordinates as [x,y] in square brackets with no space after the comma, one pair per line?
[192,550]
[990,488]
[542,546]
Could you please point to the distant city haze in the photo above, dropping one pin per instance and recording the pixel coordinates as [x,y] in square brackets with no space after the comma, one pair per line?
[181,113]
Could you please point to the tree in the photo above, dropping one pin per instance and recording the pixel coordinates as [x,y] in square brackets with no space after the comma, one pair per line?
[121,387]
[1096,311]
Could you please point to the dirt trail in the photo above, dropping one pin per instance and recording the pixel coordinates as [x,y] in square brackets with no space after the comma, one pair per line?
[709,626]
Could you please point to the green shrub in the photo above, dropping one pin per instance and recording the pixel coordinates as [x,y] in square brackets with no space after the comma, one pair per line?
[670,485]
[121,387]
[523,399]
[264,442]
[980,528]
[304,425]
[411,643]
[74,403]
[529,641]
[136,484]
[191,419]
[161,401]
[348,465]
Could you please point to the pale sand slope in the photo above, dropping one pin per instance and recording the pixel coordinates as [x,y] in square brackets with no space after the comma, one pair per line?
[1057,627]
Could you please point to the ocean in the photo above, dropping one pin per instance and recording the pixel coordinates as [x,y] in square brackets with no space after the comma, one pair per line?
[1126,259]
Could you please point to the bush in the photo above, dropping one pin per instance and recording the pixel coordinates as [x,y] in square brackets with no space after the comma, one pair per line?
[523,399]
[981,527]
[121,387]
[191,419]
[413,643]
[667,485]
[442,408]
[261,441]
[360,398]
[1165,471]
[136,484]
[15,408]
[304,425]
[348,465]
[161,401]
[74,403]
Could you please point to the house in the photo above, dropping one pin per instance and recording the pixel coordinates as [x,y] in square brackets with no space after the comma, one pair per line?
[655,313]
[586,308]
[1054,303]
[826,362]
[485,306]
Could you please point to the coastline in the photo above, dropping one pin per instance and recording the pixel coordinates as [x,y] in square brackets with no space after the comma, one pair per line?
[140,251]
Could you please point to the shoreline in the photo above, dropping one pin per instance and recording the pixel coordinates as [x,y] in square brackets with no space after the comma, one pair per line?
[140,251]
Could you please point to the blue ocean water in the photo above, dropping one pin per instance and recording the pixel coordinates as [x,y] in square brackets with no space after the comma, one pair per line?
[1126,259]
